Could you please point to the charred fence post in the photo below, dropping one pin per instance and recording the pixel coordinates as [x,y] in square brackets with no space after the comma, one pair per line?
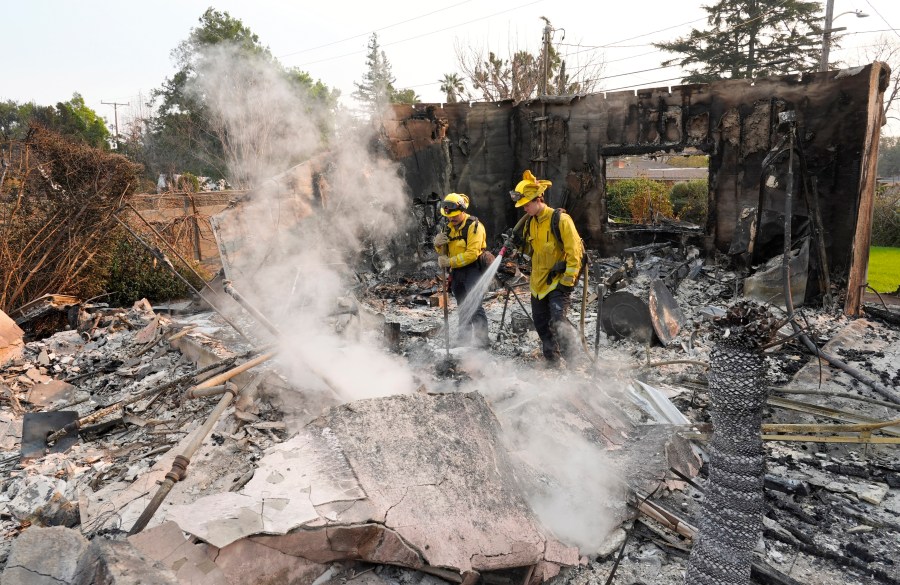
[731,521]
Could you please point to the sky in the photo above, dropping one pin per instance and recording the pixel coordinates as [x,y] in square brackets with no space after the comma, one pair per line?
[120,51]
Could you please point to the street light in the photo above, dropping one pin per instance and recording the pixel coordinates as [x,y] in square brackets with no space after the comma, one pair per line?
[826,32]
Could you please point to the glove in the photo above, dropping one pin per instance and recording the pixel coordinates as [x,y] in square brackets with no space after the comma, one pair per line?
[556,270]
[440,240]
[444,261]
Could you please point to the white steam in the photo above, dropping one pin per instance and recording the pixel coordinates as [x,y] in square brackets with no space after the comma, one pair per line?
[311,215]
[256,112]
[549,426]
[291,247]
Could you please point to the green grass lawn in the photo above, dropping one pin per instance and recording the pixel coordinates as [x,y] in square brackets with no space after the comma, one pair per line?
[884,269]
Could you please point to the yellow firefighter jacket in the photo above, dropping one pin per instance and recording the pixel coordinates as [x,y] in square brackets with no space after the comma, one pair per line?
[545,251]
[467,242]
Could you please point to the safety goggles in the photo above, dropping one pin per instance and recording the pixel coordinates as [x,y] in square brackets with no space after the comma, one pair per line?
[515,195]
[451,206]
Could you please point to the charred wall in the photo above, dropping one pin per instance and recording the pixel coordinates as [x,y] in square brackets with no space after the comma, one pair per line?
[482,148]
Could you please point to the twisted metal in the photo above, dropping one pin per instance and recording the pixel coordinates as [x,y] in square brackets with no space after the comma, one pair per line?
[731,521]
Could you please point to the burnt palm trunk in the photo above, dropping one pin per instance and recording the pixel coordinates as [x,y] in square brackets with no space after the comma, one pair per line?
[731,521]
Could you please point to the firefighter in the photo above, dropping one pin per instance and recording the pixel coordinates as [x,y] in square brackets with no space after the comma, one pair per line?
[459,247]
[557,252]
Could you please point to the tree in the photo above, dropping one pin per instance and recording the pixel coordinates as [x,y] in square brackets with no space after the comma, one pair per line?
[887,50]
[230,103]
[72,119]
[889,156]
[520,75]
[453,87]
[750,38]
[376,90]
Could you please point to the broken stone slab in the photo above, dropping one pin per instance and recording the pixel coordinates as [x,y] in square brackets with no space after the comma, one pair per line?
[872,493]
[293,477]
[44,556]
[39,500]
[431,483]
[248,561]
[11,344]
[612,544]
[10,430]
[166,544]
[111,562]
[35,375]
[48,393]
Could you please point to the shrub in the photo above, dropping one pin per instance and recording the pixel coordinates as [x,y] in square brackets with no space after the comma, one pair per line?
[886,217]
[57,206]
[694,161]
[135,274]
[690,200]
[639,199]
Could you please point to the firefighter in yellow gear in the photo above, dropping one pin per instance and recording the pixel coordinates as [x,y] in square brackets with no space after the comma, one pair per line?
[459,248]
[556,254]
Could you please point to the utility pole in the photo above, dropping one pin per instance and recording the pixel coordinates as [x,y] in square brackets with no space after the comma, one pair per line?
[826,36]
[115,106]
[545,78]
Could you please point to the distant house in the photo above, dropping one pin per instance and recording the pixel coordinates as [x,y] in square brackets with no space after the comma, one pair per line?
[656,169]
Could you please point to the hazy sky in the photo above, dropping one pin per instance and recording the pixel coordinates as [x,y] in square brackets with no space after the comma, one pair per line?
[119,51]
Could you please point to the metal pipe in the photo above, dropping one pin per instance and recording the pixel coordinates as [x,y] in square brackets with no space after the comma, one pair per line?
[601,290]
[518,300]
[103,412]
[192,393]
[789,117]
[228,287]
[179,466]
[179,276]
[225,376]
[445,300]
[171,247]
[503,316]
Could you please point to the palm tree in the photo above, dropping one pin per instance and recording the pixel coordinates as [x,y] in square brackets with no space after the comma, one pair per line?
[453,86]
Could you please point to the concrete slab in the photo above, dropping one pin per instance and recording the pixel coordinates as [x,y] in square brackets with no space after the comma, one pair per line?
[304,471]
[417,481]
[435,467]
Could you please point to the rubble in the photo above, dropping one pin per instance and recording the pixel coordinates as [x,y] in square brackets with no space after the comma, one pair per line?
[318,426]
[247,464]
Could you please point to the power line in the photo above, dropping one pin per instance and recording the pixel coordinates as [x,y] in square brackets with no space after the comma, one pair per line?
[882,18]
[699,37]
[425,34]
[611,45]
[365,34]
[639,85]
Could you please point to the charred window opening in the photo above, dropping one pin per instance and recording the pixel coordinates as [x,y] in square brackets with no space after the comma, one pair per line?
[657,188]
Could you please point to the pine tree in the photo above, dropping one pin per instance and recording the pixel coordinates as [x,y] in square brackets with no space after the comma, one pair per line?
[750,38]
[377,89]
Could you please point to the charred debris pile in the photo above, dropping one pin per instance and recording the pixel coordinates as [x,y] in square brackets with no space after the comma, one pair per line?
[715,423]
[124,407]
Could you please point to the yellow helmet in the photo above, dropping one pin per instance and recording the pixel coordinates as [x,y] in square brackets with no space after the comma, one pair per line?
[454,204]
[528,188]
